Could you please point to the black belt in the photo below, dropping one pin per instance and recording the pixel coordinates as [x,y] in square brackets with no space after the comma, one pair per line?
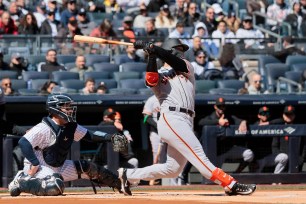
[183,110]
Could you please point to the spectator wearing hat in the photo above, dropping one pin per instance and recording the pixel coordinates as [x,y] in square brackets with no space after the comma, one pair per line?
[255,86]
[127,28]
[6,85]
[231,148]
[141,18]
[165,19]
[210,21]
[180,33]
[81,67]
[18,63]
[263,116]
[50,26]
[40,13]
[7,24]
[248,31]
[280,145]
[102,89]
[223,32]
[86,26]
[232,21]
[28,25]
[219,15]
[201,64]
[53,6]
[70,11]
[289,48]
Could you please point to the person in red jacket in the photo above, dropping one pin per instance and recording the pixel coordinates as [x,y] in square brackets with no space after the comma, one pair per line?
[7,25]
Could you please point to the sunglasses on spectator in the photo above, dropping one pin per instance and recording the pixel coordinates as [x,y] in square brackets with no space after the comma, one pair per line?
[265,113]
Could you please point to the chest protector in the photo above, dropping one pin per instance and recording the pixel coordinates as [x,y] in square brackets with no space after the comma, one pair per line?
[56,154]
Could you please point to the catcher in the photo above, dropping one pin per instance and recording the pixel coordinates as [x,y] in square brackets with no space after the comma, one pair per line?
[47,145]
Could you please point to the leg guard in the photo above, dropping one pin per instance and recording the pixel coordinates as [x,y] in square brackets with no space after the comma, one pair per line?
[98,174]
[50,186]
[221,178]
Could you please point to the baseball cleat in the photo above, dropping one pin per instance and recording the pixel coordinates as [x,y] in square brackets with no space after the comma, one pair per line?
[241,189]
[14,185]
[125,184]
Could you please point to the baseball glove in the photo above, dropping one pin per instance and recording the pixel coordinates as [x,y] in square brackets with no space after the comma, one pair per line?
[120,143]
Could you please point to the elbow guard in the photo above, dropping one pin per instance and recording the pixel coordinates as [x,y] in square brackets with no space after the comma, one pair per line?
[152,78]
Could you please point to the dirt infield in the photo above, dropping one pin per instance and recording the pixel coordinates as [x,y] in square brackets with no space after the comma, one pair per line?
[163,195]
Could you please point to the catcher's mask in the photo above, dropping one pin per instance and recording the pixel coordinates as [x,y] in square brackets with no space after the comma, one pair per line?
[175,46]
[62,105]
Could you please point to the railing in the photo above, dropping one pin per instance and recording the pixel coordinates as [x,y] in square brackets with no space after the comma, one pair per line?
[282,80]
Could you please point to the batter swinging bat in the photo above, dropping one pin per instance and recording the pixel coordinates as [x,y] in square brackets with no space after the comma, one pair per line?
[88,39]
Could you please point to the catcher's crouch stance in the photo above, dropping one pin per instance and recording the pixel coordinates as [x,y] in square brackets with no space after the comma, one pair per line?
[46,146]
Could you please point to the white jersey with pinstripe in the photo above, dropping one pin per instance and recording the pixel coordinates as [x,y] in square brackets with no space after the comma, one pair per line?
[176,129]
[40,137]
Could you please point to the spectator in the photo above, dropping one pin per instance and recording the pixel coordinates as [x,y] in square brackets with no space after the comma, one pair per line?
[231,149]
[51,63]
[28,25]
[89,86]
[201,64]
[7,24]
[179,9]
[96,6]
[126,159]
[247,31]
[196,46]
[3,64]
[295,19]
[180,33]
[40,13]
[102,89]
[47,87]
[226,61]
[3,7]
[140,19]
[233,22]
[219,15]
[164,19]
[280,145]
[257,5]
[86,26]
[150,31]
[210,21]
[15,13]
[263,116]
[192,16]
[53,7]
[156,5]
[289,48]
[81,67]
[131,55]
[223,32]
[111,6]
[105,30]
[70,11]
[18,63]
[6,85]
[127,28]
[255,86]
[303,7]
[277,13]
[50,26]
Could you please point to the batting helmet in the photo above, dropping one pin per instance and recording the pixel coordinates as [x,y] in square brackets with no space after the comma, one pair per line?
[62,105]
[171,43]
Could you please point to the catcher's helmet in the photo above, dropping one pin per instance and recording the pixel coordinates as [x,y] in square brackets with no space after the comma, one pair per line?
[57,102]
[171,43]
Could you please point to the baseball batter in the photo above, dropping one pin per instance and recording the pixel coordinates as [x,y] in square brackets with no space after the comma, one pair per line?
[46,146]
[173,85]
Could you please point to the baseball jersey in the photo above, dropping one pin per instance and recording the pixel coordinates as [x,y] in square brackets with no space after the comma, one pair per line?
[175,88]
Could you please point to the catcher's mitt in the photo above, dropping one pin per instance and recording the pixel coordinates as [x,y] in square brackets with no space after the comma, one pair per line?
[120,143]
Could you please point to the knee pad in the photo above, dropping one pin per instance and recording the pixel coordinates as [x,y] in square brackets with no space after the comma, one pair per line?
[221,178]
[248,155]
[133,162]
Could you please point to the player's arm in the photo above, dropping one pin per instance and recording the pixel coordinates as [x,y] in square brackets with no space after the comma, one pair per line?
[149,120]
[28,151]
[97,136]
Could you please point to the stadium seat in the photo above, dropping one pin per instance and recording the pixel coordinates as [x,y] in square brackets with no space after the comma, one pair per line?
[38,83]
[109,83]
[274,71]
[132,83]
[231,83]
[96,75]
[106,67]
[298,67]
[91,59]
[133,66]
[8,74]
[295,76]
[295,59]
[122,91]
[69,65]
[126,75]
[63,59]
[34,60]
[203,86]
[145,91]
[28,92]
[74,84]
[59,76]
[223,91]
[23,51]
[140,31]
[120,59]
[28,75]
[263,60]
[18,84]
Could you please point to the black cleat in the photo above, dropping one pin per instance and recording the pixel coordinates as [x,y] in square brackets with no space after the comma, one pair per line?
[125,184]
[241,189]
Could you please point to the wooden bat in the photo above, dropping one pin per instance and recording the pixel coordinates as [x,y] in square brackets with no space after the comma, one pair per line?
[89,39]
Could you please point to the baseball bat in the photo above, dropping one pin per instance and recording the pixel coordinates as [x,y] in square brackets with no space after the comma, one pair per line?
[89,39]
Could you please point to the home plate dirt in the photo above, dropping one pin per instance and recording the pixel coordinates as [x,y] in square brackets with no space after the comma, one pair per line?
[162,195]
